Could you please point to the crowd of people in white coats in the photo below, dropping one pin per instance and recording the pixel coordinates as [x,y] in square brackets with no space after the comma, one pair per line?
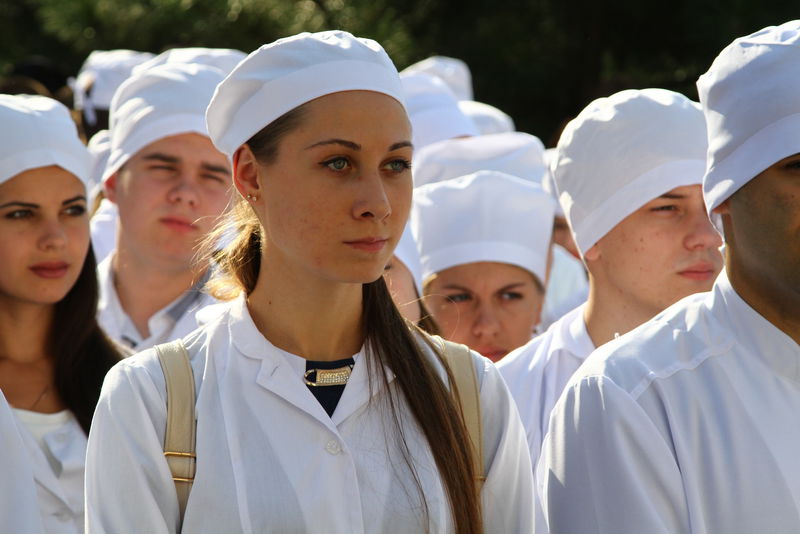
[298,291]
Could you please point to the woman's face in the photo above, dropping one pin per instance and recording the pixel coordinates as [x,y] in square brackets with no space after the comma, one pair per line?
[404,292]
[44,235]
[490,307]
[334,202]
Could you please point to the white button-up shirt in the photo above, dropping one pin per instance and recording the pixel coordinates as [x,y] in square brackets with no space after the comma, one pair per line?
[269,459]
[57,461]
[686,424]
[174,321]
[537,372]
[19,507]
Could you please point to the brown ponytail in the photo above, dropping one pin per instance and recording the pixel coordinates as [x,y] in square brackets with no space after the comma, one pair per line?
[390,342]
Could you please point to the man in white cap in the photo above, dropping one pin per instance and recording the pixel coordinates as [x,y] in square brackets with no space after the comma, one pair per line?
[171,185]
[688,424]
[628,172]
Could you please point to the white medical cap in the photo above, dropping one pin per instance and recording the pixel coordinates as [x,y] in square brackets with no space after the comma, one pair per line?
[488,119]
[548,184]
[623,151]
[281,76]
[99,147]
[454,72]
[485,216]
[752,108]
[39,132]
[103,71]
[514,153]
[167,100]
[224,59]
[433,110]
[408,253]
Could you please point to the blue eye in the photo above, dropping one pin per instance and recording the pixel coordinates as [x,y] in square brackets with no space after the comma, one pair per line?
[458,297]
[336,164]
[511,295]
[398,165]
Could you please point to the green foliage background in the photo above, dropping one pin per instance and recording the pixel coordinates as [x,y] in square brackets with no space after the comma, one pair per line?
[541,61]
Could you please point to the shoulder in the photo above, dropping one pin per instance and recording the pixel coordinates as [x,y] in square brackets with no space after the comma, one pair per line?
[681,338]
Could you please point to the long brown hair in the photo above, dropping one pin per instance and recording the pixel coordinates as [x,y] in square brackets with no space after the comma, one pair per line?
[389,341]
[81,351]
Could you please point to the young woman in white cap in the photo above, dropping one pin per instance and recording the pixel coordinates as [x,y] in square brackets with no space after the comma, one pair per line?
[318,409]
[53,355]
[484,241]
[689,422]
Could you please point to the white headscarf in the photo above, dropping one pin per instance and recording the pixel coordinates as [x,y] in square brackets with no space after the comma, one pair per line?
[751,104]
[281,76]
[454,72]
[623,151]
[39,132]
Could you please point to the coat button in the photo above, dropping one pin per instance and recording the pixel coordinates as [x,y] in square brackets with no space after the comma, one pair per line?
[333,447]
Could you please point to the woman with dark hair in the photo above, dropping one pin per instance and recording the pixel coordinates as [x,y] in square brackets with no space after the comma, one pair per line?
[319,408]
[53,355]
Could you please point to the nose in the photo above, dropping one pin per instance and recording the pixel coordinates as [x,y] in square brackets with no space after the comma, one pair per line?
[486,323]
[702,234]
[184,191]
[372,202]
[53,236]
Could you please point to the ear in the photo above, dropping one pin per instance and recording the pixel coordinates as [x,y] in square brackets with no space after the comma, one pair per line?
[724,208]
[592,254]
[246,173]
[110,187]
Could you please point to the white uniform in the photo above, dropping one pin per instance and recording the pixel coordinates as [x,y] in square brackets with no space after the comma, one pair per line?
[537,372]
[19,510]
[686,424]
[269,459]
[174,321]
[104,230]
[56,447]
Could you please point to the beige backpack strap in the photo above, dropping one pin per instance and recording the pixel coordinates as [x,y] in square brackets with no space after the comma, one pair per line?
[459,359]
[179,440]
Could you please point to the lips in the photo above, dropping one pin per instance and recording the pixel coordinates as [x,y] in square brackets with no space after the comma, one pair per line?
[368,244]
[700,271]
[493,354]
[180,224]
[50,269]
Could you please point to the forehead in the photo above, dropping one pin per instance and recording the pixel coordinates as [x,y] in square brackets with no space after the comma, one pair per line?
[184,147]
[357,114]
[484,274]
[41,184]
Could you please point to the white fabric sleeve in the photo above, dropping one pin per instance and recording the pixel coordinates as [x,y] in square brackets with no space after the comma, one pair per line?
[606,468]
[129,486]
[19,504]
[507,494]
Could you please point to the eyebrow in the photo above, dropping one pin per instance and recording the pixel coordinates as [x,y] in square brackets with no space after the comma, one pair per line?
[355,146]
[31,205]
[672,196]
[160,156]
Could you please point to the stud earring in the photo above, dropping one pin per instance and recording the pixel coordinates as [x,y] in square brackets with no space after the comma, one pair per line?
[252,198]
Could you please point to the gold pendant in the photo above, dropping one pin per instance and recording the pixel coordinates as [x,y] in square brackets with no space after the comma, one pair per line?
[328,377]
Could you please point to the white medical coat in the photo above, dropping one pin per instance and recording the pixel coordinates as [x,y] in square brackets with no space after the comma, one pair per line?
[686,424]
[174,321]
[59,488]
[537,372]
[269,459]
[19,510]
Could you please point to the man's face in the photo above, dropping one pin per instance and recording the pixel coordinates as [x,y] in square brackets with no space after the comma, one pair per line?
[170,195]
[762,230]
[662,252]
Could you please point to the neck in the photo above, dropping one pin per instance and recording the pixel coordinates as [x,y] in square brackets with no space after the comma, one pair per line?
[144,289]
[768,296]
[305,315]
[609,313]
[26,366]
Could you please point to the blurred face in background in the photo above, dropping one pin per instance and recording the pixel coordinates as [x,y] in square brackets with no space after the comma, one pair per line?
[491,307]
